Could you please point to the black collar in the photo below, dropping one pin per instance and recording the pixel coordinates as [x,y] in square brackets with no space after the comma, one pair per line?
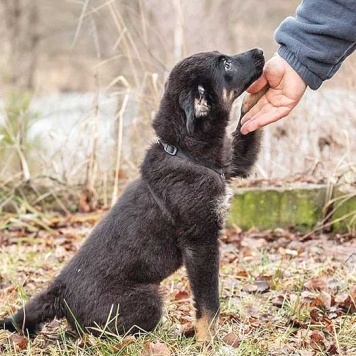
[176,151]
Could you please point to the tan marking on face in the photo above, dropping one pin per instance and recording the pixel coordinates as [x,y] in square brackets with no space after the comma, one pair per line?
[201,108]
[228,96]
[206,328]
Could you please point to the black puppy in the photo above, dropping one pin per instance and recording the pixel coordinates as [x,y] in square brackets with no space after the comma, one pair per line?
[172,214]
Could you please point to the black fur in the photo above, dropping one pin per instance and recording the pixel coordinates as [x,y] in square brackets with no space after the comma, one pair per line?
[169,216]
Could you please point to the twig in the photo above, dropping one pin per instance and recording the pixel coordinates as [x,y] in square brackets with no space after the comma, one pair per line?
[120,117]
[92,162]
[80,22]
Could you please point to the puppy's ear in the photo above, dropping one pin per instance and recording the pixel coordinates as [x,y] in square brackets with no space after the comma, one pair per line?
[186,103]
[201,107]
[195,105]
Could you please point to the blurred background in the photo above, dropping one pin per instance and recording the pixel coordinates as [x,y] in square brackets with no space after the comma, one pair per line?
[81,81]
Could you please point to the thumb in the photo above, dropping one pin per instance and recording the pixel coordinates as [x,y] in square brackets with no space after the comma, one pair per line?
[257,85]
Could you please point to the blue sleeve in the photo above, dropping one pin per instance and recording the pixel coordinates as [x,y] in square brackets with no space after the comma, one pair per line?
[317,40]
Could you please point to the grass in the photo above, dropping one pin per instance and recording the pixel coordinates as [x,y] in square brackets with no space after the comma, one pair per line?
[280,294]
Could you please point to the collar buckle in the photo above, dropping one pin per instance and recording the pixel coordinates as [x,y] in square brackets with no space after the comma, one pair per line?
[170,149]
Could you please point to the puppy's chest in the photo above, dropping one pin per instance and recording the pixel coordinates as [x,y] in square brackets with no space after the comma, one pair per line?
[222,204]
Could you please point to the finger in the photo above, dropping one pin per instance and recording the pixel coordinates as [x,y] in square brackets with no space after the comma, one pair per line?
[263,109]
[257,85]
[271,115]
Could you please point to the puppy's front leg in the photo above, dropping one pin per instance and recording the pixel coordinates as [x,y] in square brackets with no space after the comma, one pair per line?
[246,147]
[202,264]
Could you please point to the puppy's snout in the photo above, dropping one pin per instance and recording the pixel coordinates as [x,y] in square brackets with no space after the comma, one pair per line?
[258,57]
[257,53]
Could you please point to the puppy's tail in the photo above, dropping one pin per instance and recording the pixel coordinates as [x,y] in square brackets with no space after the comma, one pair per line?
[43,307]
[7,324]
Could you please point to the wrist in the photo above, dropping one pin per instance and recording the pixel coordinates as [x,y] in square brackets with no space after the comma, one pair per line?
[310,78]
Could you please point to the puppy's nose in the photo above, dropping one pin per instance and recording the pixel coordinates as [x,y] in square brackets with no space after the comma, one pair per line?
[257,56]
[257,53]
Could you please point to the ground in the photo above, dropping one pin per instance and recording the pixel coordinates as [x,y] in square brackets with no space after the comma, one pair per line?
[282,293]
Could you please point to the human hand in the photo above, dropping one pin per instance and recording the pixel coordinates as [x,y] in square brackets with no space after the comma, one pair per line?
[286,88]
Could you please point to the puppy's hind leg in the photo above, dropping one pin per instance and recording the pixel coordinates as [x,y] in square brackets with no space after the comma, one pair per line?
[142,308]
[136,309]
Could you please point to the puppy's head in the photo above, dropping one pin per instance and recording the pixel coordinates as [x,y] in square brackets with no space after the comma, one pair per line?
[205,85]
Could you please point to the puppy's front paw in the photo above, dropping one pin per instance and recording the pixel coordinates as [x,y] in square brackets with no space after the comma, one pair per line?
[206,329]
[250,100]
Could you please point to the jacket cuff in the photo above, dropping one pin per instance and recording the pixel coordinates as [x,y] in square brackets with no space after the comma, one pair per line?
[310,78]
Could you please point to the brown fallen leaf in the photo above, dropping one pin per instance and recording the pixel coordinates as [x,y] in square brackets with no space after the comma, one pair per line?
[278,301]
[242,274]
[316,284]
[317,340]
[155,348]
[262,284]
[295,323]
[230,317]
[326,299]
[183,294]
[255,322]
[250,288]
[315,315]
[230,257]
[328,324]
[310,300]
[347,301]
[128,340]
[341,298]
[332,350]
[19,341]
[353,296]
[232,340]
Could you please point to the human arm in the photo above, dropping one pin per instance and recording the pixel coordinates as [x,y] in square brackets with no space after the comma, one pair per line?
[313,45]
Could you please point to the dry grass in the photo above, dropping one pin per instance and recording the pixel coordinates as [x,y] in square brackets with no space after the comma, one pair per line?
[281,294]
[126,49]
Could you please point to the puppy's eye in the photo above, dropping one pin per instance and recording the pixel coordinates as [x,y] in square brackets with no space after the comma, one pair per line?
[227,64]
